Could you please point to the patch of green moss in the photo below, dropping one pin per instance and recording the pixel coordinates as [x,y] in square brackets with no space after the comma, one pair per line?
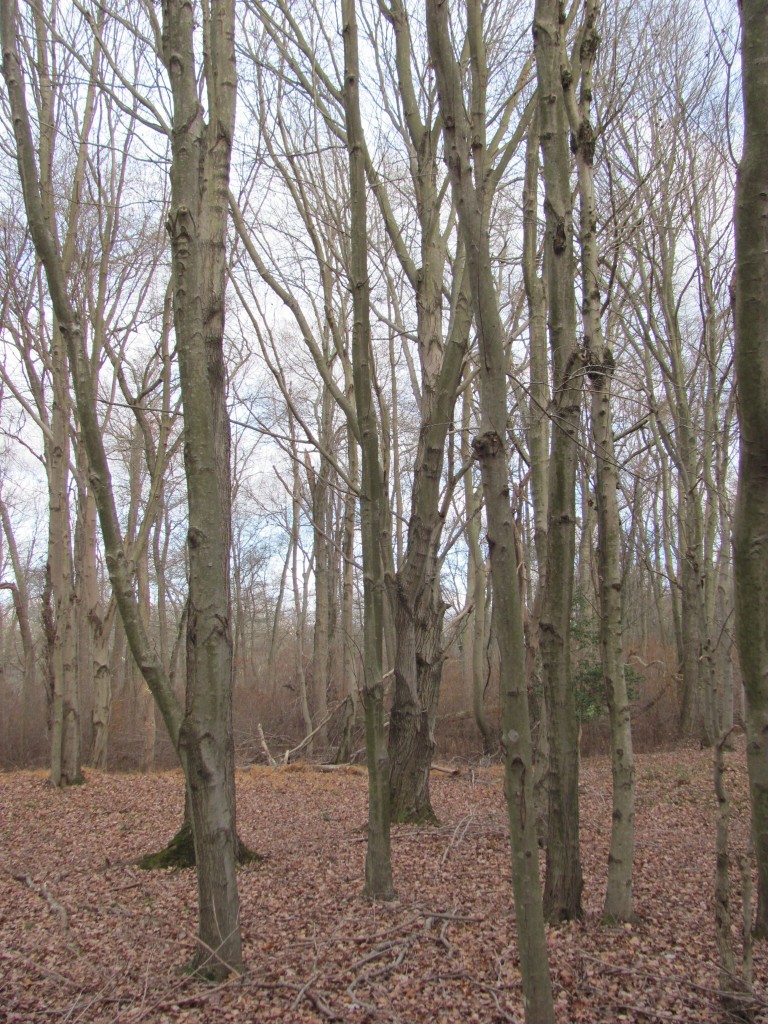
[411,816]
[180,853]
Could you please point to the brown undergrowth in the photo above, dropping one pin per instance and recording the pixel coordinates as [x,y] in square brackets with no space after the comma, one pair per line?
[86,936]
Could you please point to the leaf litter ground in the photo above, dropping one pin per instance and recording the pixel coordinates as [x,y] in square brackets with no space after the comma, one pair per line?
[85,936]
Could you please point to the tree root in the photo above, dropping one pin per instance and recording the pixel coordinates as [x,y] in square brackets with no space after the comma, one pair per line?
[180,853]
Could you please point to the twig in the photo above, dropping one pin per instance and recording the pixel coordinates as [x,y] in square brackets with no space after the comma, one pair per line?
[12,954]
[303,990]
[708,990]
[307,739]
[376,954]
[484,986]
[625,1005]
[461,827]
[43,893]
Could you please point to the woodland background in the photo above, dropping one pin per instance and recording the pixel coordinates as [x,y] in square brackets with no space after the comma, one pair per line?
[667,122]
[394,356]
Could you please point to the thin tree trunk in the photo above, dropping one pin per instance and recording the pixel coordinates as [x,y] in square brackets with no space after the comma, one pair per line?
[347,607]
[476,587]
[468,180]
[618,904]
[21,607]
[197,225]
[563,882]
[378,863]
[600,367]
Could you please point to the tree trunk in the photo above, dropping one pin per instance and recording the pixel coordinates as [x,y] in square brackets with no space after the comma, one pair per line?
[346,749]
[21,607]
[468,179]
[65,718]
[102,694]
[618,904]
[723,654]
[418,667]
[416,603]
[378,862]
[692,717]
[476,587]
[322,514]
[563,883]
[202,732]
[600,367]
[750,535]
[197,225]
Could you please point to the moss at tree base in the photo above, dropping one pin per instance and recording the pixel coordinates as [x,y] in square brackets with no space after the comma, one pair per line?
[180,853]
[414,816]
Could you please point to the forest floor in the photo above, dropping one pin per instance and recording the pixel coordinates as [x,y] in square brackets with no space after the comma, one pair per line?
[85,936]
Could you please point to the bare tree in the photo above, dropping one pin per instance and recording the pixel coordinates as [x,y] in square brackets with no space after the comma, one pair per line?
[201,732]
[562,889]
[378,864]
[465,152]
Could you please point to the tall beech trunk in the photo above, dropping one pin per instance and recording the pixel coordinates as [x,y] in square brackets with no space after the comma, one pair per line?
[197,226]
[537,437]
[618,905]
[465,155]
[346,748]
[750,534]
[319,487]
[563,883]
[202,731]
[415,600]
[724,696]
[378,862]
[66,766]
[600,367]
[476,587]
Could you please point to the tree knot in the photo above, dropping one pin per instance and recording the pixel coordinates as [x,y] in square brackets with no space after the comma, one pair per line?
[486,445]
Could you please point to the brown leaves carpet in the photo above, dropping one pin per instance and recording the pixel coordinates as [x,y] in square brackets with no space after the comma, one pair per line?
[87,937]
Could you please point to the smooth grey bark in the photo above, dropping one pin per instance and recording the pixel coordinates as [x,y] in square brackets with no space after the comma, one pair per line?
[319,482]
[65,710]
[347,583]
[735,981]
[201,732]
[378,862]
[537,422]
[750,533]
[197,226]
[465,155]
[476,587]
[618,905]
[724,642]
[563,880]
[537,435]
[297,584]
